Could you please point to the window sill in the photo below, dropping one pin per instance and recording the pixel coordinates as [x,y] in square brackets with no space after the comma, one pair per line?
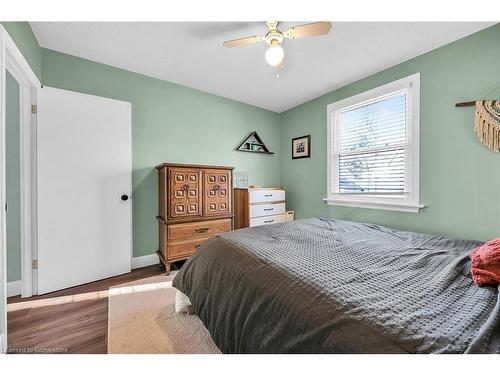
[376,205]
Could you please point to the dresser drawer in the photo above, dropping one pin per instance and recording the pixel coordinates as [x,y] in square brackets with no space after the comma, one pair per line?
[259,210]
[183,249]
[266,195]
[267,220]
[197,229]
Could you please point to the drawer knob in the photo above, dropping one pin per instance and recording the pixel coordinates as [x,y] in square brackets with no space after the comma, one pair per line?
[268,209]
[268,221]
[201,230]
[268,195]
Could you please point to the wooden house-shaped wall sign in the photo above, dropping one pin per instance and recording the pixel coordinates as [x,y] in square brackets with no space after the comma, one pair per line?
[253,143]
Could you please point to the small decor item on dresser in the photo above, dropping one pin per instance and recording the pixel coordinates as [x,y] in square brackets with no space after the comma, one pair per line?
[241,179]
[253,143]
[301,147]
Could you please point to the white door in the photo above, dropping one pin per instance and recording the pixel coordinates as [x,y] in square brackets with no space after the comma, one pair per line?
[84,185]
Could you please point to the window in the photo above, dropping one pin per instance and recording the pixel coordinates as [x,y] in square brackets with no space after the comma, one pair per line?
[373,148]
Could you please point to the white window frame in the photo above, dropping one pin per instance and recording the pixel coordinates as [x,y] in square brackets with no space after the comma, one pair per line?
[410,200]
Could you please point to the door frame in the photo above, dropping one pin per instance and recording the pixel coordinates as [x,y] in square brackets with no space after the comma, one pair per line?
[12,59]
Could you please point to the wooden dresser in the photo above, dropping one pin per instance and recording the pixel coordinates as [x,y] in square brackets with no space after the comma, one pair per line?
[195,204]
[259,206]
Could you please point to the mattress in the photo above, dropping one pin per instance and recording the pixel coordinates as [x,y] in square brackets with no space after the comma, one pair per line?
[329,286]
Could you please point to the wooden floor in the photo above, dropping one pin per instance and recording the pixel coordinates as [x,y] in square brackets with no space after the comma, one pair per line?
[73,320]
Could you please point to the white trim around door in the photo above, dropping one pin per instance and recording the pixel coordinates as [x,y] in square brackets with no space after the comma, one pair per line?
[13,60]
[27,149]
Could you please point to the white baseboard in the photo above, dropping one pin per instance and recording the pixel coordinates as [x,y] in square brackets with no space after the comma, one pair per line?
[3,344]
[144,261]
[14,288]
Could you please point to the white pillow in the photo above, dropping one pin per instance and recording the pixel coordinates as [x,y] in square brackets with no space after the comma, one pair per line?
[182,303]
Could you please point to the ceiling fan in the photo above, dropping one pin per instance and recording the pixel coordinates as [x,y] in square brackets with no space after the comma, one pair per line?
[274,37]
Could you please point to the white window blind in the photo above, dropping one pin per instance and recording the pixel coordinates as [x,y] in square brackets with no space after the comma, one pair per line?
[373,148]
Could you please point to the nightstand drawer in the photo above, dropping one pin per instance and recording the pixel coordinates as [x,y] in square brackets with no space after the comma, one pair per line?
[259,210]
[266,195]
[268,220]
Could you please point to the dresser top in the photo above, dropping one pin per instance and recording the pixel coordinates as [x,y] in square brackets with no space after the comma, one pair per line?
[163,165]
[259,188]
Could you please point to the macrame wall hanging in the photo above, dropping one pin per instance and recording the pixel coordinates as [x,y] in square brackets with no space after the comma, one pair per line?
[487,121]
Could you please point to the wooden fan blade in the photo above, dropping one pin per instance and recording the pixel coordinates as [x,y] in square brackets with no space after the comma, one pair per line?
[310,29]
[243,41]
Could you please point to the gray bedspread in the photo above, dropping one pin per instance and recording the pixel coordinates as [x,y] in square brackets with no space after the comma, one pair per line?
[328,286]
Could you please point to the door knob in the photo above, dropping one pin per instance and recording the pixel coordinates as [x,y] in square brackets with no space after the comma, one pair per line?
[124,197]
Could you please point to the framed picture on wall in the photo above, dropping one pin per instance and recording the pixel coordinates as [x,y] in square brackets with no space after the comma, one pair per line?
[301,147]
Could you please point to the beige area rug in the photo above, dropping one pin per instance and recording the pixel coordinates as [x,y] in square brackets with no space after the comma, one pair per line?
[142,319]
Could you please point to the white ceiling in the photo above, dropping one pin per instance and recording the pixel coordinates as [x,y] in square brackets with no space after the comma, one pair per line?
[191,54]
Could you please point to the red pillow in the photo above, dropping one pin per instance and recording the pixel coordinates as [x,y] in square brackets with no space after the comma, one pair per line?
[485,263]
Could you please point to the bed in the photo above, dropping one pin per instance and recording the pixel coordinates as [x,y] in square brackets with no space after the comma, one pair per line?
[330,286]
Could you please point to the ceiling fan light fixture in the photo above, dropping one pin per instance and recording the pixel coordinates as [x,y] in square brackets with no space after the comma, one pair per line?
[274,37]
[274,55]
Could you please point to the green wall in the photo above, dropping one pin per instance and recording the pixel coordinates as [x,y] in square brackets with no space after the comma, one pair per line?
[170,123]
[13,187]
[459,178]
[23,36]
